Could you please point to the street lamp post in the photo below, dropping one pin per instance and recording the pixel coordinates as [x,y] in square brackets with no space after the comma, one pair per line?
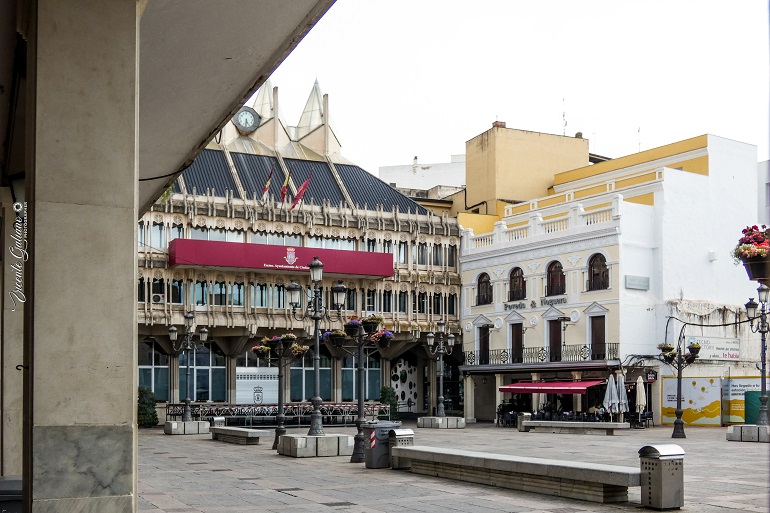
[441,349]
[762,327]
[359,454]
[680,361]
[316,312]
[187,344]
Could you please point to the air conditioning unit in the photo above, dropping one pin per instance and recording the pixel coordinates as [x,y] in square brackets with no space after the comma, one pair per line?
[158,298]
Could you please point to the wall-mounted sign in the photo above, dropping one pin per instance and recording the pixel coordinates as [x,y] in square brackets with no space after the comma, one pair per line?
[651,376]
[515,306]
[552,301]
[717,348]
[637,282]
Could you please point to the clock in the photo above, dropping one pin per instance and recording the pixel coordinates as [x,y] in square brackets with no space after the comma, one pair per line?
[246,120]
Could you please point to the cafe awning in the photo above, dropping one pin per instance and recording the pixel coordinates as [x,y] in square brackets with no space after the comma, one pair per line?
[552,387]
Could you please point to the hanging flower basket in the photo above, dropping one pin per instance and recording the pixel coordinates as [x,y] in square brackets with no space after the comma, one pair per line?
[336,337]
[370,327]
[260,349]
[669,357]
[351,327]
[694,348]
[298,349]
[382,337]
[753,251]
[288,338]
[665,348]
[757,268]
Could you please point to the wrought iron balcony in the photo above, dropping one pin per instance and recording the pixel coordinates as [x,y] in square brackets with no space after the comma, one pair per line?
[567,353]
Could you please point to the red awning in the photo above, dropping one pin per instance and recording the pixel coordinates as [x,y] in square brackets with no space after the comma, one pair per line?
[553,387]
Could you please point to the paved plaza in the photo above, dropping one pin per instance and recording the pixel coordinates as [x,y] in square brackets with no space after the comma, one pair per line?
[187,474]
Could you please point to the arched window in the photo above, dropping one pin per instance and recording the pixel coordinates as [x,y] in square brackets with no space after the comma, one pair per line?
[555,280]
[598,273]
[484,290]
[517,286]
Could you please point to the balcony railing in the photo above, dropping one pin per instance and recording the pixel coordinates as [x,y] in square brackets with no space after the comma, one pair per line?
[569,353]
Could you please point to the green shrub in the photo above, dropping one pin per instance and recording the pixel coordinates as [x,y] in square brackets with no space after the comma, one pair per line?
[388,396]
[146,414]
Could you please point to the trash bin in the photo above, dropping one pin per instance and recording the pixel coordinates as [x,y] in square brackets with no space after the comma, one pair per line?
[10,494]
[400,437]
[376,440]
[662,473]
[218,422]
[520,418]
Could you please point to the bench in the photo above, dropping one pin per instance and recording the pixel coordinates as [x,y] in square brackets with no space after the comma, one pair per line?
[561,426]
[577,480]
[237,435]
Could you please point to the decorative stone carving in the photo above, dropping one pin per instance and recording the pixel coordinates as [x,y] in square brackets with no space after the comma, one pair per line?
[498,272]
[239,224]
[157,218]
[158,274]
[403,287]
[201,277]
[141,275]
[437,241]
[220,223]
[402,237]
[220,277]
[533,266]
[452,241]
[452,290]
[296,229]
[200,221]
[351,234]
[335,232]
[279,228]
[238,277]
[177,219]
[422,238]
[573,259]
[388,287]
[177,275]
[422,288]
[261,226]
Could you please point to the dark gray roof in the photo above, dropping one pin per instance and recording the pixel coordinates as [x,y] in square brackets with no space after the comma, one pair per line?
[254,170]
[322,186]
[209,170]
[366,189]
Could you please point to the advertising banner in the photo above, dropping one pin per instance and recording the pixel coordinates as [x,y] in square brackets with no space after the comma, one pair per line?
[701,401]
[717,348]
[734,393]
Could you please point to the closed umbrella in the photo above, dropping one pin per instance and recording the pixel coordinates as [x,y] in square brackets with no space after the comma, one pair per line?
[610,402]
[641,398]
[622,395]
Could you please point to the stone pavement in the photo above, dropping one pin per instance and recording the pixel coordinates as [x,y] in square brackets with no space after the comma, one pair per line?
[188,474]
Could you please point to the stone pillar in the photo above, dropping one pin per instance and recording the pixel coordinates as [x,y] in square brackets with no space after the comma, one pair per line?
[80,451]
[535,397]
[469,398]
[577,399]
[336,384]
[433,387]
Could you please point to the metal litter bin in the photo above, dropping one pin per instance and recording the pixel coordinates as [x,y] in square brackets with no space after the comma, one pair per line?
[10,494]
[376,443]
[520,418]
[662,473]
[218,422]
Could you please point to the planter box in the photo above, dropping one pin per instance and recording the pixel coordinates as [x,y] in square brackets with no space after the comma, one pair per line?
[758,269]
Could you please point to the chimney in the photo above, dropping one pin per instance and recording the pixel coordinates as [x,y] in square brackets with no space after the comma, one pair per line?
[498,124]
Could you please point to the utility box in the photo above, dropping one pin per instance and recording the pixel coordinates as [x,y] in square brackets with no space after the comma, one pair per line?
[662,476]
[376,443]
[218,422]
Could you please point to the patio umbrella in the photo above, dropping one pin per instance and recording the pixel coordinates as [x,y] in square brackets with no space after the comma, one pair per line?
[641,398]
[610,402]
[622,395]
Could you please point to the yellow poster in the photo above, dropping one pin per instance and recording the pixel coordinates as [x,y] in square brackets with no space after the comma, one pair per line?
[701,401]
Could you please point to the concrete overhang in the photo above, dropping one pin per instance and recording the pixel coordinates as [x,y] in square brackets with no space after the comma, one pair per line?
[199,62]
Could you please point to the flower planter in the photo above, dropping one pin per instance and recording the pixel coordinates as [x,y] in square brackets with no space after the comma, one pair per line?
[693,349]
[351,330]
[337,340]
[385,341]
[669,357]
[370,327]
[758,269]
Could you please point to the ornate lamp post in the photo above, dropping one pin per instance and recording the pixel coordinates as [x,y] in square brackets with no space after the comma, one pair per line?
[441,349]
[762,327]
[679,361]
[187,344]
[316,312]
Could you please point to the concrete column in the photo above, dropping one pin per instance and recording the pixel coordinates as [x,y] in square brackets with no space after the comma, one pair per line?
[577,399]
[12,347]
[82,117]
[433,387]
[469,407]
[337,380]
[535,397]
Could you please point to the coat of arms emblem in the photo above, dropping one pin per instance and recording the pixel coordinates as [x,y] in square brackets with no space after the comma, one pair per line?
[291,256]
[258,395]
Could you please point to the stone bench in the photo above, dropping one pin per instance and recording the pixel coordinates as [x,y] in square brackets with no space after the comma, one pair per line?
[441,422]
[577,480]
[748,433]
[311,446]
[237,435]
[561,426]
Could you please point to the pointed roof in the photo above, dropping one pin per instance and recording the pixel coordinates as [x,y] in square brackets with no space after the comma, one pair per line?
[263,101]
[312,116]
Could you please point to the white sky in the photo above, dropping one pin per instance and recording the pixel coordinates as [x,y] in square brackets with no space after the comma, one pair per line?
[421,77]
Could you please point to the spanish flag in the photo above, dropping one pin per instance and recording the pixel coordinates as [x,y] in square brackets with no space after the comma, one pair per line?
[285,186]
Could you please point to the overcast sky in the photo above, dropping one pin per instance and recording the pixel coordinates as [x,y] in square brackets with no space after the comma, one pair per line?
[419,78]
